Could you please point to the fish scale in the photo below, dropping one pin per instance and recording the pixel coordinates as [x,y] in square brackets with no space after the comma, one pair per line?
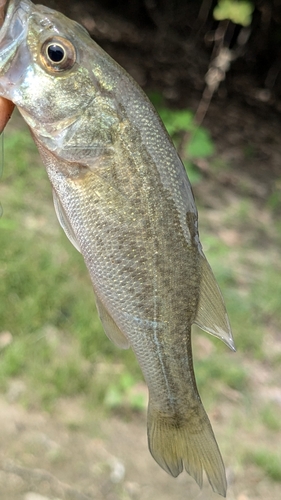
[122,196]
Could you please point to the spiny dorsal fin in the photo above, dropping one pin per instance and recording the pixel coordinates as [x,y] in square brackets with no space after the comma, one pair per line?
[111,329]
[211,314]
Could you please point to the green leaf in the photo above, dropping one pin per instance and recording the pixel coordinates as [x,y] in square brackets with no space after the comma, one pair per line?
[113,397]
[239,12]
[156,98]
[200,144]
[193,173]
[176,121]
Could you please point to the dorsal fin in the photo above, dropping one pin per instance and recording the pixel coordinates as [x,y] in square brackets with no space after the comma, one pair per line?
[211,314]
[64,222]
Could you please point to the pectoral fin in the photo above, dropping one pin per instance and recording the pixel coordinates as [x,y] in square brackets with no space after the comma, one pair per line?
[111,329]
[64,222]
[211,314]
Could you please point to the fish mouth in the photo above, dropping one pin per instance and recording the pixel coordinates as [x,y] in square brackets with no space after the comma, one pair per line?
[13,16]
[12,34]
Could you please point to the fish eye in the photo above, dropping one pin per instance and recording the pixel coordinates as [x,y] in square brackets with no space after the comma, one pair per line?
[57,54]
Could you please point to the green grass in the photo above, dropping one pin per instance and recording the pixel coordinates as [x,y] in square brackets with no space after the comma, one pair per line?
[222,369]
[268,461]
[270,417]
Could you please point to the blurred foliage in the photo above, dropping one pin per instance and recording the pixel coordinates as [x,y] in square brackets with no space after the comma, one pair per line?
[194,142]
[237,11]
[270,417]
[268,461]
[120,394]
[154,31]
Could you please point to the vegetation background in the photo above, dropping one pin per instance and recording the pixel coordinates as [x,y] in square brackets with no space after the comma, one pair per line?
[72,406]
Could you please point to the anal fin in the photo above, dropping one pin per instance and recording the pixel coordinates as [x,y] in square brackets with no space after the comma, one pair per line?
[111,329]
[211,314]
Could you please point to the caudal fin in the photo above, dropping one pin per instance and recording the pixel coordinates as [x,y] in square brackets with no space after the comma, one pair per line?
[176,442]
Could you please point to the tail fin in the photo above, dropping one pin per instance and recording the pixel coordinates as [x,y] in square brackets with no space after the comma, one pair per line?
[175,442]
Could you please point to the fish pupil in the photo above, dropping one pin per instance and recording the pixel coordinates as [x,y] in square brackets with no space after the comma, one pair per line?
[55,53]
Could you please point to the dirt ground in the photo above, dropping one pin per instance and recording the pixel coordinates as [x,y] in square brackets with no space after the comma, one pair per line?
[47,455]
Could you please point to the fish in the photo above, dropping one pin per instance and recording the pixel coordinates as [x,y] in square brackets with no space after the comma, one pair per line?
[124,200]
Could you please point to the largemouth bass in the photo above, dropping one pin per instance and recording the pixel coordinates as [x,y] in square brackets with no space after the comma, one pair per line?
[124,200]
